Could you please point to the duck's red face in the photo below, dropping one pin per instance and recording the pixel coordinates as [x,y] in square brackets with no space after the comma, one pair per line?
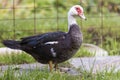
[80,12]
[77,10]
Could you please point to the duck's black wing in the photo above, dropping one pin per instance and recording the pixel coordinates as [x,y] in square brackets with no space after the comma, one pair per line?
[43,38]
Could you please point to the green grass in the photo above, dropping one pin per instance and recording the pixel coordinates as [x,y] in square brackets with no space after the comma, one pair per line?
[15,59]
[36,74]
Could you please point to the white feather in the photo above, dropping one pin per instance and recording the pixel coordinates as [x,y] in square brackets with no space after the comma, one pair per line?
[53,52]
[52,42]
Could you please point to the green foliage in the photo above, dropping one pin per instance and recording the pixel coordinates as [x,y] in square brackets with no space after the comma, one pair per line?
[83,53]
[36,74]
[112,46]
[15,58]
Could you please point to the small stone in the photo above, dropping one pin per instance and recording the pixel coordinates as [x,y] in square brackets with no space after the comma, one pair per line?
[96,64]
[94,50]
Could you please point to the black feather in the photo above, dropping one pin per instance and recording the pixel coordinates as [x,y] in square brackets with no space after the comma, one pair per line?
[12,44]
[43,38]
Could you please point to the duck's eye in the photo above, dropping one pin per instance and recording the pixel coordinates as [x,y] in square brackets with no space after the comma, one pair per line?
[78,10]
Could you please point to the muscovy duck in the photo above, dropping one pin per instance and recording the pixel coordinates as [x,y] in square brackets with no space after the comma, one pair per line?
[53,47]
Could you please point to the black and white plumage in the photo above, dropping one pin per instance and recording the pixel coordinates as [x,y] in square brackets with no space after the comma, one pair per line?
[53,47]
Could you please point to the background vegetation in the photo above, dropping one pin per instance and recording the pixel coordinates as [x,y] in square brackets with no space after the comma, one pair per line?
[30,17]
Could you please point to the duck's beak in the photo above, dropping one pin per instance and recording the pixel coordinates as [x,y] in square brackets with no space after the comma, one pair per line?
[82,16]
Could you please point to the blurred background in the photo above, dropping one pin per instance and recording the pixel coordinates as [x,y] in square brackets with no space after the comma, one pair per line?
[21,18]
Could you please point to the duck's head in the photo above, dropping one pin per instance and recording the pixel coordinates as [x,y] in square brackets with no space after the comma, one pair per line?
[77,10]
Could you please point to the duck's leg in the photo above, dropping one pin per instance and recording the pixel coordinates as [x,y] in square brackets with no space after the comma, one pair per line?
[50,65]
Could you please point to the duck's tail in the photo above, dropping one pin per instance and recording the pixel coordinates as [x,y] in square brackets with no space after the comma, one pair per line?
[12,44]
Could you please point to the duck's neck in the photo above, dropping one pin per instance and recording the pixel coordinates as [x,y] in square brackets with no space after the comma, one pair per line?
[71,20]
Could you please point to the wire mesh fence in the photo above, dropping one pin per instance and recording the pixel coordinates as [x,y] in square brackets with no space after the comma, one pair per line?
[22,18]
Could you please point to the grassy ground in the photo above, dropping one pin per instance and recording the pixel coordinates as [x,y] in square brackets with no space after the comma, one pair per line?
[11,74]
[15,59]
